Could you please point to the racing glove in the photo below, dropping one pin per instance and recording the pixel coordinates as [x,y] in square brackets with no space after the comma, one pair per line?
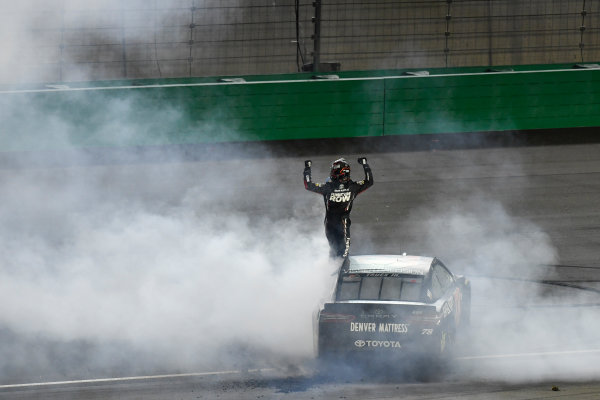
[307,171]
[363,162]
[368,175]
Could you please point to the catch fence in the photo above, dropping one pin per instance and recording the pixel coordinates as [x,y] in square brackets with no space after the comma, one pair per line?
[74,40]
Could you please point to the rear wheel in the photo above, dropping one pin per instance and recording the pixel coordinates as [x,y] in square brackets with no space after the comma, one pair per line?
[446,343]
[433,365]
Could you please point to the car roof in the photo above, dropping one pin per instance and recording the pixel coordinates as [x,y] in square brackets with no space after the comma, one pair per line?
[389,263]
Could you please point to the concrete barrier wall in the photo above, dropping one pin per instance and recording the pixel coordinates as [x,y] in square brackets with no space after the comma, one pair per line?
[156,113]
[492,102]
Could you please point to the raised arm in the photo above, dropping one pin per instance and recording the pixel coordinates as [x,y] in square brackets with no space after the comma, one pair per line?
[308,183]
[368,181]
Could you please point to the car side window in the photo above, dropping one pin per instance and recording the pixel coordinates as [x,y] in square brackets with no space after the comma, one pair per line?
[441,280]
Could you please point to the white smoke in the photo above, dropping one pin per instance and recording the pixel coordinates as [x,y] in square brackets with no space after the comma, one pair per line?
[479,236]
[522,328]
[178,278]
[118,269]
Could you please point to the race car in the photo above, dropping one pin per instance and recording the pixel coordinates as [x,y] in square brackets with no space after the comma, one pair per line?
[393,308]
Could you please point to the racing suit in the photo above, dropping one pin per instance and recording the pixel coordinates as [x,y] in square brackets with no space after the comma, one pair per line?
[338,197]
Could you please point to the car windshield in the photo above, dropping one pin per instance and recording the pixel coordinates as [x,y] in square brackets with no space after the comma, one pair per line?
[391,288]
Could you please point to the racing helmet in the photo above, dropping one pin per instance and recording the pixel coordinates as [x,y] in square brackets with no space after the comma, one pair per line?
[340,170]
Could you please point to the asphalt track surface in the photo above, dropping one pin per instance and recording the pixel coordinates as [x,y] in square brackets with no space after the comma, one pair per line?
[535,319]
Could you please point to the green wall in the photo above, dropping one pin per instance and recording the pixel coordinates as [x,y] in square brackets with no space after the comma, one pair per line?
[375,103]
[492,102]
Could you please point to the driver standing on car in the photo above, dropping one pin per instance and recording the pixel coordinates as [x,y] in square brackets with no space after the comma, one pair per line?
[338,193]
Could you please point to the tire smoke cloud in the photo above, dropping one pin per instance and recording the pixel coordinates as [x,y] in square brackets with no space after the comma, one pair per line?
[126,269]
[134,268]
[523,327]
[130,260]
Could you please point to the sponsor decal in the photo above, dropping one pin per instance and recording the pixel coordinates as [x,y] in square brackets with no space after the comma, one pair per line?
[381,328]
[362,326]
[448,307]
[340,197]
[403,271]
[393,328]
[380,314]
[384,344]
[446,310]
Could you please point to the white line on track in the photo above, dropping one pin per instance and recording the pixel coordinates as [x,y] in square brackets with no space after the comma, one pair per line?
[235,372]
[538,354]
[134,378]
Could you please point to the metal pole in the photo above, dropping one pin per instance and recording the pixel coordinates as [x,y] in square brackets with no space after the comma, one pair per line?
[582,29]
[490,35]
[317,36]
[123,41]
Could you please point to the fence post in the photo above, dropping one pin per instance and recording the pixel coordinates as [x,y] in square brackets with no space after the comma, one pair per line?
[317,35]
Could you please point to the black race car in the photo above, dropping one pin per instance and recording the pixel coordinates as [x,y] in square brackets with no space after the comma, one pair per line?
[393,307]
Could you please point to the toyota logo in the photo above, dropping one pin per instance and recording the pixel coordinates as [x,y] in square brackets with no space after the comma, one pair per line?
[360,343]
